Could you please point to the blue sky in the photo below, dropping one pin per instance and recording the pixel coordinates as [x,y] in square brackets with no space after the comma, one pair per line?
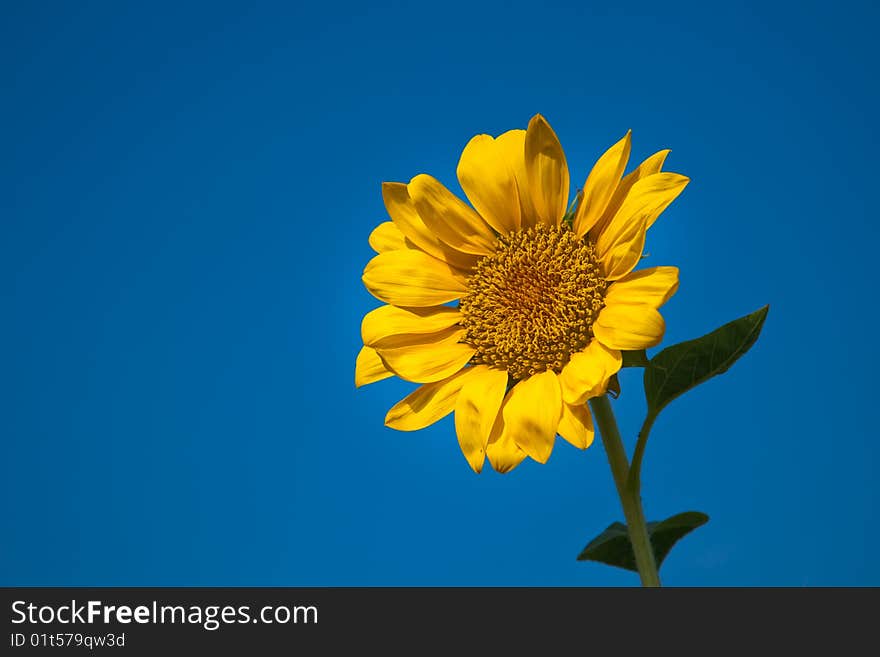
[187,191]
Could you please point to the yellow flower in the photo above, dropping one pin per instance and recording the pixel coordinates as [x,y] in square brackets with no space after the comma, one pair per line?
[544,306]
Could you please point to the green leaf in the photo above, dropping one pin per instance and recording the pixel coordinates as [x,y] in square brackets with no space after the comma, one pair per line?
[635,358]
[612,547]
[683,366]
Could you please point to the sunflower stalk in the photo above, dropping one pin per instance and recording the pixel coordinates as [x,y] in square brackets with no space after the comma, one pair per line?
[630,498]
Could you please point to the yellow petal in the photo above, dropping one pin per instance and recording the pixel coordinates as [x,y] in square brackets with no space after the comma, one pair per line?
[624,326]
[505,455]
[513,144]
[429,361]
[600,185]
[369,368]
[476,410]
[531,414]
[401,340]
[586,374]
[576,425]
[659,191]
[386,321]
[450,218]
[649,166]
[653,286]
[404,215]
[489,182]
[619,245]
[547,172]
[387,237]
[427,403]
[502,451]
[412,278]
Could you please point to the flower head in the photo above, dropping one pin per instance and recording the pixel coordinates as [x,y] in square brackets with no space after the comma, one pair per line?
[509,311]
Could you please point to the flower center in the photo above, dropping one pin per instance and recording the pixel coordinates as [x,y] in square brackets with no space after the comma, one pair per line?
[532,304]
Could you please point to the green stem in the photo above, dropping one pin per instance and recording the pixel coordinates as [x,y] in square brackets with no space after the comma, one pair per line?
[630,499]
[634,481]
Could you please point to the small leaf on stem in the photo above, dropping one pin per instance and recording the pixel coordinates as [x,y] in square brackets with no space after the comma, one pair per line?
[613,547]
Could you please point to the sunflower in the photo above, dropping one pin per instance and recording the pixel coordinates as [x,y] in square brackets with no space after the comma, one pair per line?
[512,312]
